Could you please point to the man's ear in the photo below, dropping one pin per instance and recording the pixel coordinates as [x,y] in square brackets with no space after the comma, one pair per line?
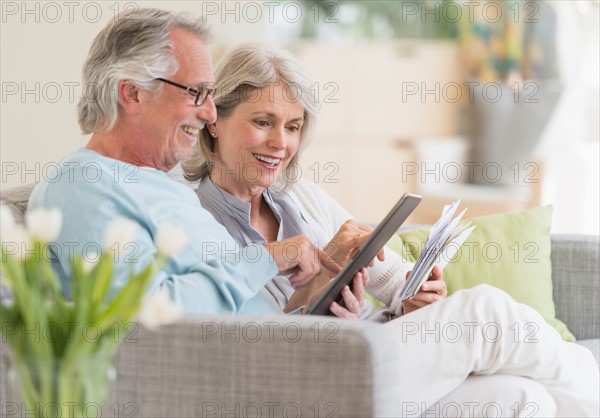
[128,96]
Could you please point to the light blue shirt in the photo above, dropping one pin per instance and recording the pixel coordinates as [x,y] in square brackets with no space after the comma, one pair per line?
[213,274]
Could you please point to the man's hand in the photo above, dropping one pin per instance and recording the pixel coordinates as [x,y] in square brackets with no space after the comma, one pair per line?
[304,295]
[347,241]
[431,291]
[300,257]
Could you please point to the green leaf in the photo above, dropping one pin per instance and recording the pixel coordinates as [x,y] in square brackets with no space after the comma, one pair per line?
[80,296]
[102,278]
[127,302]
[15,273]
[10,323]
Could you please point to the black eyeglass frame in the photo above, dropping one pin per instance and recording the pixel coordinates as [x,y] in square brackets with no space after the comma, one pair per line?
[200,96]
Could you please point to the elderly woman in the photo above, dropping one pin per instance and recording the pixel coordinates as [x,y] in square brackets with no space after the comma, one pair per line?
[245,162]
[265,114]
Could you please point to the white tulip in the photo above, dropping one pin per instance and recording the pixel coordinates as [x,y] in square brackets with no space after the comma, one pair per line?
[15,241]
[90,260]
[44,224]
[170,239]
[158,309]
[7,220]
[120,232]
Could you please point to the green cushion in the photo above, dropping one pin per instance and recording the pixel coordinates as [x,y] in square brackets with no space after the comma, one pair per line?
[510,251]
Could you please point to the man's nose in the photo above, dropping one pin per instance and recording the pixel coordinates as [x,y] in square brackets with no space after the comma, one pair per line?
[207,112]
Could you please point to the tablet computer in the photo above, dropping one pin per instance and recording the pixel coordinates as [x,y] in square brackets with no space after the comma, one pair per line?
[367,252]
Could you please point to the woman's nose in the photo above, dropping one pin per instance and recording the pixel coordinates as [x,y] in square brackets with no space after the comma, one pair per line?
[277,139]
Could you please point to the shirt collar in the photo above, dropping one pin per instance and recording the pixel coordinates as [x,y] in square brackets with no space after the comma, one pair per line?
[225,202]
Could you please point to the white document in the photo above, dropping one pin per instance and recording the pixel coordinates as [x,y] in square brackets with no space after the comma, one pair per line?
[444,240]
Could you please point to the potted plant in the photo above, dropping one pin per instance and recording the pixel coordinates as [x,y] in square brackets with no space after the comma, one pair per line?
[59,361]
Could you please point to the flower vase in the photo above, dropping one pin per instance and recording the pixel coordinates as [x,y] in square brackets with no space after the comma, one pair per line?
[508,122]
[56,387]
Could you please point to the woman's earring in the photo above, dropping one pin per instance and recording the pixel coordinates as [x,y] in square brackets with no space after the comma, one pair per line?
[214,134]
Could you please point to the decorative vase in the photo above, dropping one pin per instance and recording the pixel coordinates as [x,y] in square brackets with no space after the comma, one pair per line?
[507,123]
[56,387]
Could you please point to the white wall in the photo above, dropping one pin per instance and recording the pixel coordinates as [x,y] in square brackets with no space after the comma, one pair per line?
[360,86]
[570,145]
[43,46]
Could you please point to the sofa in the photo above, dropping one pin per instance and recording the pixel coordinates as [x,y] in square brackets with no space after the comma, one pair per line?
[297,365]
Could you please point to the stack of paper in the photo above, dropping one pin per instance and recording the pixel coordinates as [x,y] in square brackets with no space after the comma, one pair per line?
[445,238]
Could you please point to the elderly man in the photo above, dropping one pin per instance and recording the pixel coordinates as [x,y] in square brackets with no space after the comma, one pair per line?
[144,119]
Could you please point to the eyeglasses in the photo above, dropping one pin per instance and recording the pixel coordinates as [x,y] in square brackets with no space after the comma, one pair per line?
[198,95]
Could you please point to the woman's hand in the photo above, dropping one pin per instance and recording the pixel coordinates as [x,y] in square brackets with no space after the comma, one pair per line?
[347,241]
[354,299]
[431,291]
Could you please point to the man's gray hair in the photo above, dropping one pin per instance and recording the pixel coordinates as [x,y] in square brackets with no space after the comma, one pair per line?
[134,47]
[243,70]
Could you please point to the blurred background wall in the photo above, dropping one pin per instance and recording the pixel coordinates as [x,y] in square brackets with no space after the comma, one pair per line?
[493,102]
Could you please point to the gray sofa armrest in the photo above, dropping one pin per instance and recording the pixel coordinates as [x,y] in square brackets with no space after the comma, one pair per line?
[276,365]
[576,283]
[16,198]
